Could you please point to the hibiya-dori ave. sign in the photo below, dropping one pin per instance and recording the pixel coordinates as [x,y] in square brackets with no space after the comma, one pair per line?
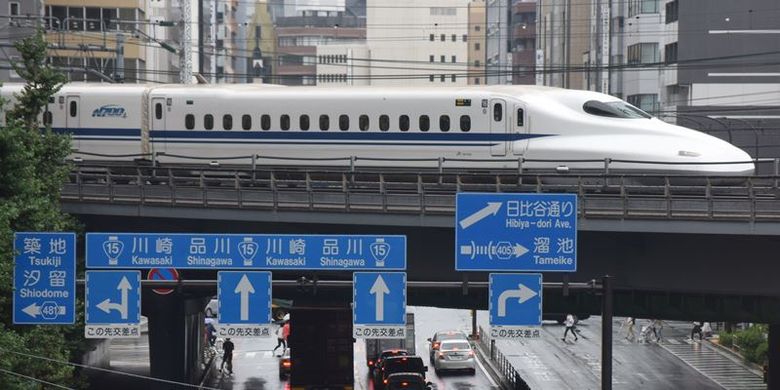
[246,251]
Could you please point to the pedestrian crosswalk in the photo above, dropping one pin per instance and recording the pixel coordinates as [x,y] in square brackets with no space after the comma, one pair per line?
[721,369]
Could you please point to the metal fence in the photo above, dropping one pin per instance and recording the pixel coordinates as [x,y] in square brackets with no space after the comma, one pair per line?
[508,373]
[600,196]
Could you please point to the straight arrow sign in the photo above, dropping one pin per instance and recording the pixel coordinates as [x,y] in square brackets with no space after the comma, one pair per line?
[244,288]
[379,289]
[491,209]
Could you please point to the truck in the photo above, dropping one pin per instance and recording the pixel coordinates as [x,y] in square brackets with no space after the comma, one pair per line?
[321,348]
[374,347]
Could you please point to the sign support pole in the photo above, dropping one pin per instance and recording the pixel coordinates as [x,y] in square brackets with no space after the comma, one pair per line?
[606,333]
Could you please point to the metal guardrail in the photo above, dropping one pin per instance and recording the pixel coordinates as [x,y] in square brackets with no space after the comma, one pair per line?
[508,373]
[752,198]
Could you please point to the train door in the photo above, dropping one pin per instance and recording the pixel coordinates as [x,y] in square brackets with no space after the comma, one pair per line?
[158,123]
[521,129]
[72,118]
[498,126]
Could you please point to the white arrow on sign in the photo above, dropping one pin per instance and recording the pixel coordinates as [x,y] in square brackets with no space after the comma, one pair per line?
[244,288]
[491,209]
[524,293]
[519,250]
[379,289]
[121,307]
[33,310]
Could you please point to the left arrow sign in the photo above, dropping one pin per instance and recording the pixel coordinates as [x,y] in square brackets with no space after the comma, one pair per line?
[33,310]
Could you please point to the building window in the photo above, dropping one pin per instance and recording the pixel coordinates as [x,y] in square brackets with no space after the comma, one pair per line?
[265,122]
[403,122]
[476,46]
[363,122]
[672,11]
[430,78]
[444,123]
[670,53]
[477,63]
[284,122]
[443,11]
[643,53]
[425,123]
[452,78]
[324,122]
[443,58]
[465,123]
[443,37]
[13,8]
[477,28]
[343,122]
[431,57]
[384,122]
[442,77]
[647,102]
[454,37]
[636,7]
[227,122]
[208,121]
[476,80]
[189,121]
[465,37]
[454,59]
[303,122]
[76,18]
[431,38]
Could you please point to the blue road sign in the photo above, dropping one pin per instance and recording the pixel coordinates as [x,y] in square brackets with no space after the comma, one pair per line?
[113,304]
[246,251]
[516,232]
[44,278]
[379,298]
[244,297]
[515,300]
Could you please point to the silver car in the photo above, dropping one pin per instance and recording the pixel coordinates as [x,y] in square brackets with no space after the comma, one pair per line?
[455,355]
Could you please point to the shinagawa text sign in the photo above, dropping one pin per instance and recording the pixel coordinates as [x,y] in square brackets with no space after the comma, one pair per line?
[246,251]
[44,278]
[516,232]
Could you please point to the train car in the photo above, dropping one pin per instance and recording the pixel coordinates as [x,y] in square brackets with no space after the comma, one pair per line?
[481,127]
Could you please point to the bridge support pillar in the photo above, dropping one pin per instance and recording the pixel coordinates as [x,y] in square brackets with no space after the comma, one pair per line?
[175,338]
[773,356]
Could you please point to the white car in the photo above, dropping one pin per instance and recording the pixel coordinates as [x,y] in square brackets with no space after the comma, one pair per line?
[455,355]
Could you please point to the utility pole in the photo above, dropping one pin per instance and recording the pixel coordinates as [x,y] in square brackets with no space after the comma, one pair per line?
[119,60]
[185,50]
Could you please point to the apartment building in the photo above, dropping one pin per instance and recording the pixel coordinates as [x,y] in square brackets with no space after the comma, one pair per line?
[20,19]
[476,43]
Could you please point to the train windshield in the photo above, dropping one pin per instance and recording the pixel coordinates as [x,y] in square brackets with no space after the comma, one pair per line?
[616,109]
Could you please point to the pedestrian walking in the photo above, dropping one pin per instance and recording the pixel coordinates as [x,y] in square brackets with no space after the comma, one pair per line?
[211,332]
[629,323]
[658,327]
[570,327]
[285,334]
[227,356]
[280,340]
[696,329]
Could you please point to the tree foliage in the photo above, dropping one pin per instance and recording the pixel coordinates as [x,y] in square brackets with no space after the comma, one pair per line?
[33,171]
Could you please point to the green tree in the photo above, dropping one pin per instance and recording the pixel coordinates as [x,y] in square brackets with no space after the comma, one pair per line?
[33,170]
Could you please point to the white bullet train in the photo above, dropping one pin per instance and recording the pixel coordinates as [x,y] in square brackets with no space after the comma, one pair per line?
[480,127]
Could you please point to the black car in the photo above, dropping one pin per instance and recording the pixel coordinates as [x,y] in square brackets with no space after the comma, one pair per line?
[407,381]
[389,353]
[398,364]
[285,364]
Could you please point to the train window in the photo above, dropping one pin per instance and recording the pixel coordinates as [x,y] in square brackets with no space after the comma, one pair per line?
[246,122]
[498,112]
[519,117]
[189,121]
[73,108]
[227,121]
[363,122]
[384,122]
[425,123]
[616,109]
[343,122]
[47,118]
[403,122]
[158,110]
[284,122]
[208,121]
[265,122]
[303,122]
[465,123]
[324,122]
[444,123]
